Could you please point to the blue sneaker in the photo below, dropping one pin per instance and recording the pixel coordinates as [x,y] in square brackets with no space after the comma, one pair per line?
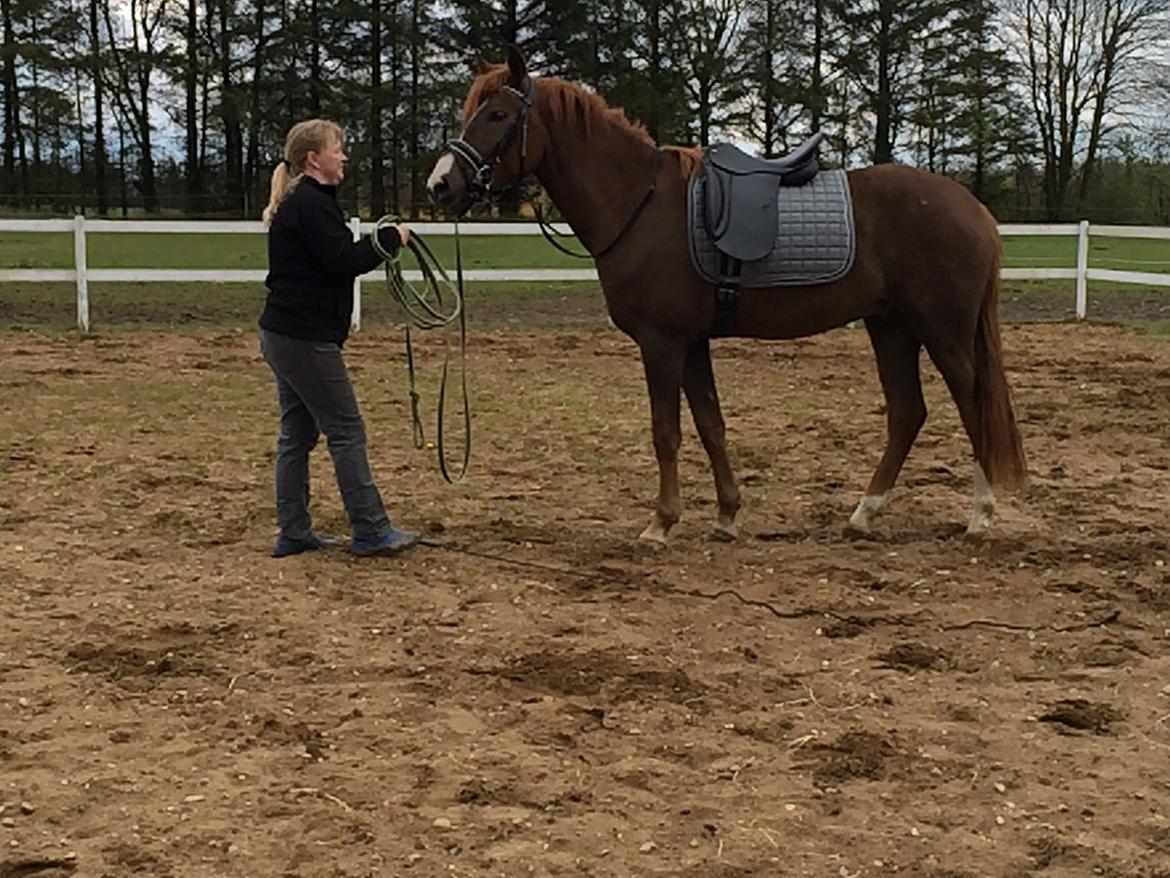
[286,546]
[391,544]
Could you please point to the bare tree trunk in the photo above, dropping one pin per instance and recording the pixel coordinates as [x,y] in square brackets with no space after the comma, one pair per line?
[194,166]
[818,80]
[290,70]
[79,109]
[415,188]
[145,141]
[768,79]
[230,111]
[656,99]
[252,172]
[22,154]
[377,169]
[979,182]
[57,163]
[122,165]
[883,147]
[395,98]
[204,118]
[315,58]
[34,101]
[511,22]
[100,160]
[146,160]
[11,98]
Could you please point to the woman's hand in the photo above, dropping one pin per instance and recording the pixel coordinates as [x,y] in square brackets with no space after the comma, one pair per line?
[403,233]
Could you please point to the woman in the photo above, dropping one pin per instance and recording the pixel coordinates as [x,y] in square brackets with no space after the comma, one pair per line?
[312,263]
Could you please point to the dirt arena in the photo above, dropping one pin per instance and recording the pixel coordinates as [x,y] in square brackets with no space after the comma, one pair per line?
[533,695]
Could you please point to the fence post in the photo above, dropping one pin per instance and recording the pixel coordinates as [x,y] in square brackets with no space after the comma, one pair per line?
[1082,269]
[355,225]
[79,267]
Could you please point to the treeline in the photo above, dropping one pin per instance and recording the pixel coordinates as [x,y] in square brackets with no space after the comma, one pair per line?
[1046,109]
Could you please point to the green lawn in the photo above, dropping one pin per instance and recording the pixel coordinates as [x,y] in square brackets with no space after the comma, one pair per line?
[53,250]
[133,250]
[1122,254]
[190,304]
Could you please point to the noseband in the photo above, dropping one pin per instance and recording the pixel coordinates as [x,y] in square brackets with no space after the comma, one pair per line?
[481,166]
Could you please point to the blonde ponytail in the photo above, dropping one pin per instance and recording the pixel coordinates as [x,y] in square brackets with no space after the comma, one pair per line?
[282,184]
[312,135]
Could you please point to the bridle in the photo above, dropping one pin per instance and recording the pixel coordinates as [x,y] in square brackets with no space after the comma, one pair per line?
[481,166]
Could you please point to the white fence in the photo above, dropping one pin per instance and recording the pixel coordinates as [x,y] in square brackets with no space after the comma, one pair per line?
[82,275]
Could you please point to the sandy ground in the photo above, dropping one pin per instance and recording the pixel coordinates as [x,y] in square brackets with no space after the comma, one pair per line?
[534,696]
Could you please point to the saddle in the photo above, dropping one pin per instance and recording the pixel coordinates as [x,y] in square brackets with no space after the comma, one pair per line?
[740,193]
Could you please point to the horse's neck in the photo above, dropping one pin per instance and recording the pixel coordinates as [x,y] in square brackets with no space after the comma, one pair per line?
[595,184]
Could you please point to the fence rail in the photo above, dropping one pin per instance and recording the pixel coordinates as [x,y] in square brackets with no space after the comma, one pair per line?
[82,275]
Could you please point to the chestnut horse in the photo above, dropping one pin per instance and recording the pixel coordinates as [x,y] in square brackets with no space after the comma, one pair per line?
[925,274]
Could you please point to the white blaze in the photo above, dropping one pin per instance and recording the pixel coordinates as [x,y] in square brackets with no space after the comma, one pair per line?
[442,168]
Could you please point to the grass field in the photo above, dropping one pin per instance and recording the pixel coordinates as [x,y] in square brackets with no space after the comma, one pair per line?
[53,250]
[490,304]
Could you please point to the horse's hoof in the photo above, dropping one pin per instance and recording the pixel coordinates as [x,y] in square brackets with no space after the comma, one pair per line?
[645,548]
[852,531]
[979,526]
[724,533]
[653,538]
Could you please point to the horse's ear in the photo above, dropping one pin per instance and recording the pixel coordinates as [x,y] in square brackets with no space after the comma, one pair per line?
[479,66]
[517,67]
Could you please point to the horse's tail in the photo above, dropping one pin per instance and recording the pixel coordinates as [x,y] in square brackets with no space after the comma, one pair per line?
[1000,451]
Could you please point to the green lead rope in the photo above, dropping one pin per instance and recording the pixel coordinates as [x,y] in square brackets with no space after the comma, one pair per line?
[436,306]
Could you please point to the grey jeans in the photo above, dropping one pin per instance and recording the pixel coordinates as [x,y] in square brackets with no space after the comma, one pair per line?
[316,396]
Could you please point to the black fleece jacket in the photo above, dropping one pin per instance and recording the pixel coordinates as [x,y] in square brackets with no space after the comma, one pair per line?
[312,262]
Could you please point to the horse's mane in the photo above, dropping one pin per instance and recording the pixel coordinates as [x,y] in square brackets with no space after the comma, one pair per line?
[568,100]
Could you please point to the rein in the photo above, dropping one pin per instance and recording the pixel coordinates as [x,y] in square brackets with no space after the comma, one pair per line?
[546,226]
[426,309]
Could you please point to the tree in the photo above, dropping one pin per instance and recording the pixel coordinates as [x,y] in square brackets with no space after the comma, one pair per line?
[100,155]
[708,33]
[223,45]
[1079,57]
[377,170]
[253,175]
[1122,29]
[135,57]
[765,51]
[988,123]
[191,82]
[885,36]
[13,136]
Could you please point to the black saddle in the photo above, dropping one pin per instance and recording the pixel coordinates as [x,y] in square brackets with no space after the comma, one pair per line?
[740,192]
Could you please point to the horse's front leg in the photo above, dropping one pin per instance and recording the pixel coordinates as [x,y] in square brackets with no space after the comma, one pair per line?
[663,360]
[699,384]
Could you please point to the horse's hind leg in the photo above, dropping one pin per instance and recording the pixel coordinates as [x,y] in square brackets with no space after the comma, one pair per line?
[699,384]
[957,366]
[897,350]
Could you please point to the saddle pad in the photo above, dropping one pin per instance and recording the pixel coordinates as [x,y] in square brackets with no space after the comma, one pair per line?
[814,244]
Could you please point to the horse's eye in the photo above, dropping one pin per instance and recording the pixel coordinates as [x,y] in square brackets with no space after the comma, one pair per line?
[498,116]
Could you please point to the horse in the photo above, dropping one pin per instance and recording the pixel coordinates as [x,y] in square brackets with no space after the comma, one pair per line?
[925,274]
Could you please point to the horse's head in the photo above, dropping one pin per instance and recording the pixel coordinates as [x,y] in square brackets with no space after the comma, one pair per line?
[494,149]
